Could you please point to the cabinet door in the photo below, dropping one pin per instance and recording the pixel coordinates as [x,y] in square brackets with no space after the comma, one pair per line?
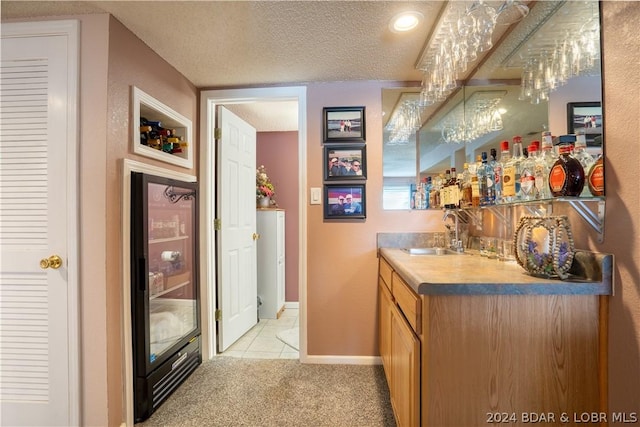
[280,250]
[385,303]
[405,371]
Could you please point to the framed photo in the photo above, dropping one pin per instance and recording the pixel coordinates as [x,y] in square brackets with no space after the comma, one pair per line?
[586,116]
[344,201]
[345,162]
[343,124]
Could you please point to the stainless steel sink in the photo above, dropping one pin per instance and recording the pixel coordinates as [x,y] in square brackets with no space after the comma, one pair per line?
[429,251]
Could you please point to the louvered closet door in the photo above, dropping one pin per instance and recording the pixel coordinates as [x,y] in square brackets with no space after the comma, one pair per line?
[34,308]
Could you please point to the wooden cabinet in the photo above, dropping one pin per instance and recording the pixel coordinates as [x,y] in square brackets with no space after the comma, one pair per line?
[384,316]
[475,359]
[405,370]
[399,345]
[271,262]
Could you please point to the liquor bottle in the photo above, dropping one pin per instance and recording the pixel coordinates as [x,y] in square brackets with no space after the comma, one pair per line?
[595,179]
[490,196]
[460,184]
[466,187]
[427,192]
[585,159]
[517,157]
[444,192]
[413,190]
[434,194]
[482,178]
[527,175]
[475,185]
[511,174]
[454,190]
[417,197]
[566,177]
[498,170]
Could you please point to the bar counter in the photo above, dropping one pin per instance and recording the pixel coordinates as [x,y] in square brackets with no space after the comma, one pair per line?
[472,274]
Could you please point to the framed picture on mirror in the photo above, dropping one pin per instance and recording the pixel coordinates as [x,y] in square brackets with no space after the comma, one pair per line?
[342,124]
[586,116]
[344,201]
[345,162]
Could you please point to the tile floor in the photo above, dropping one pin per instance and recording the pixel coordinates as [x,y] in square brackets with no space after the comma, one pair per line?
[260,342]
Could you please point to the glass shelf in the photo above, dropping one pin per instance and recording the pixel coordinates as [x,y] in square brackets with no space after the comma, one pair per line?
[590,209]
[167,239]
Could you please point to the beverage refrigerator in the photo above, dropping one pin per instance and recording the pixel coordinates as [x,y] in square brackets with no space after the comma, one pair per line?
[165,299]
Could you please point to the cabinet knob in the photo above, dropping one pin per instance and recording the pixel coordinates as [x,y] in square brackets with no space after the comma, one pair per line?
[256,236]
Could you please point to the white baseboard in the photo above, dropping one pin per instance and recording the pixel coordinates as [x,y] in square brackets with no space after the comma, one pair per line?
[292,304]
[342,360]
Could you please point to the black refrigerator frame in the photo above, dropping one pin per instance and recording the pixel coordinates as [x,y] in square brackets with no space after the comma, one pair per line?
[157,376]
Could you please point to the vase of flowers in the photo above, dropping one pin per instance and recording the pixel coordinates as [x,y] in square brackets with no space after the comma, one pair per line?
[264,188]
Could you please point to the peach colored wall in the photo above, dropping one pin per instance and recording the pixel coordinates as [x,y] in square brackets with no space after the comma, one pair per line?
[341,257]
[131,63]
[278,152]
[95,391]
[621,57]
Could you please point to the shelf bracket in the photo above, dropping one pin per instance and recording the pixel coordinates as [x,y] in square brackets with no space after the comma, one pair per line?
[594,219]
[473,216]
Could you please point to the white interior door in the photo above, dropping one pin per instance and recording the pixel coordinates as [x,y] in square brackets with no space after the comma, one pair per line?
[38,302]
[236,210]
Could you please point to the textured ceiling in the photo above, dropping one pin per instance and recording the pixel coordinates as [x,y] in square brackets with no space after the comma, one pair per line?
[222,44]
[258,43]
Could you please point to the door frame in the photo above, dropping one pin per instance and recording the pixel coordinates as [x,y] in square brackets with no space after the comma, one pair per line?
[209,100]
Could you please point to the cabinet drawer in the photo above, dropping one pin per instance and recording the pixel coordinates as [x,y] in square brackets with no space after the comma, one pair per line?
[385,272]
[408,302]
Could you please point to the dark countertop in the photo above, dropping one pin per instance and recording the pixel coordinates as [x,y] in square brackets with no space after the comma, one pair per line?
[466,274]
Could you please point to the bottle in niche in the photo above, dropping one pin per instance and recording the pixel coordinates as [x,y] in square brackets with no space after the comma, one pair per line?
[585,159]
[527,175]
[595,179]
[566,177]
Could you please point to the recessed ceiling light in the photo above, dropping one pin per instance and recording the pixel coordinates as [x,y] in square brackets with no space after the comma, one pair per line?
[405,21]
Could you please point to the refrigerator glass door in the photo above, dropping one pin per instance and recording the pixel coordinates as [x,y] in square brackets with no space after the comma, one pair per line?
[171,250]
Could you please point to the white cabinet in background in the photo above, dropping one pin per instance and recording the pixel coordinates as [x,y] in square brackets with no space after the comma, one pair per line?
[271,273]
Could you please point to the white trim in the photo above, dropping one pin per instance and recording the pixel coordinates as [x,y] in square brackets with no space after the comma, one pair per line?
[291,305]
[175,120]
[208,102]
[344,360]
[129,166]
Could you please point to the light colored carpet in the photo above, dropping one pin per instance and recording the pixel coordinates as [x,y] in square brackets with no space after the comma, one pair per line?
[290,337]
[231,392]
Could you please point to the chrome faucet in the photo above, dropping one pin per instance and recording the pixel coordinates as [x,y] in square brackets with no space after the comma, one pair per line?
[454,242]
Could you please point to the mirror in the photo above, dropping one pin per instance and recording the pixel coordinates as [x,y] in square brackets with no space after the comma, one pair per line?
[508,78]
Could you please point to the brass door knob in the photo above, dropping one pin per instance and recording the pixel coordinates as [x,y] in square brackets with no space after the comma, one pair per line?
[256,236]
[54,261]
